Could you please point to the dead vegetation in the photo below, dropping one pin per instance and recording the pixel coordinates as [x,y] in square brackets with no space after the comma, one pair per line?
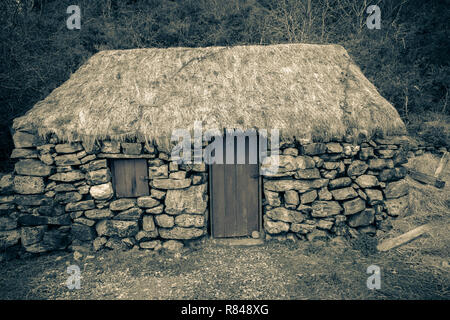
[304,90]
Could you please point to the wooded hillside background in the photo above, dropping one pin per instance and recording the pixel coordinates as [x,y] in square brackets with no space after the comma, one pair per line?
[407,59]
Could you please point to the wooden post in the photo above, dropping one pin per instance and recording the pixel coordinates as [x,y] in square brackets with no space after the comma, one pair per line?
[425,178]
[442,164]
[404,238]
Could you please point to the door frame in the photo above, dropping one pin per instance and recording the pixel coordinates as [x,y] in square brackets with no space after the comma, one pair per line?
[211,198]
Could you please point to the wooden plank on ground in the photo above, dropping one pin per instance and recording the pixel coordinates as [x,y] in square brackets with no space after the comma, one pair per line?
[125,156]
[442,164]
[404,238]
[425,178]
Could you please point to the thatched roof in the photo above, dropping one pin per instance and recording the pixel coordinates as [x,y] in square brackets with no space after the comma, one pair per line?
[303,90]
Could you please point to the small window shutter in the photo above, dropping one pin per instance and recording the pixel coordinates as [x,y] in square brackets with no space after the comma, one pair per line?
[130,177]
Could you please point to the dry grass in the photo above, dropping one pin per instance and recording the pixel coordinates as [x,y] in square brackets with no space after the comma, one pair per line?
[427,205]
[307,91]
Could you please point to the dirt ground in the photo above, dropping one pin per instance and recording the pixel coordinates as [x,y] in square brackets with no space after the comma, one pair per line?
[276,270]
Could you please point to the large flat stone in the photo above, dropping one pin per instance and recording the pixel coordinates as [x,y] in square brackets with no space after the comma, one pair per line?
[285,215]
[192,200]
[70,176]
[26,140]
[68,147]
[68,197]
[190,220]
[374,196]
[170,184]
[148,223]
[24,154]
[30,167]
[322,209]
[299,185]
[122,204]
[147,202]
[80,206]
[28,185]
[367,181]
[285,165]
[344,193]
[379,164]
[273,198]
[275,227]
[98,214]
[307,174]
[118,228]
[31,200]
[357,168]
[7,184]
[354,206]
[130,214]
[181,233]
[67,160]
[340,183]
[98,176]
[165,221]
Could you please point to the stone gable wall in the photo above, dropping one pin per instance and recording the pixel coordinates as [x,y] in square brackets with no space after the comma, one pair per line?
[61,195]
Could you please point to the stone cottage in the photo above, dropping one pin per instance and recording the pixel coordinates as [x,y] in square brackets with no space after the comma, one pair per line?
[94,168]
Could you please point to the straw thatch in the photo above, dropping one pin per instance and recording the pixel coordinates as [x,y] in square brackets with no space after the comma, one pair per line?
[303,90]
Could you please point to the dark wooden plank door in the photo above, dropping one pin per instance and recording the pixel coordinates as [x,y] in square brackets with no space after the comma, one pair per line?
[235,196]
[130,177]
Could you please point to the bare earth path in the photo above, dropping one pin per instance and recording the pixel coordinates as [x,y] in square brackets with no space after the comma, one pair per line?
[272,271]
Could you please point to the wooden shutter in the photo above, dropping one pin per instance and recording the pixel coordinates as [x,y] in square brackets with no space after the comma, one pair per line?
[130,177]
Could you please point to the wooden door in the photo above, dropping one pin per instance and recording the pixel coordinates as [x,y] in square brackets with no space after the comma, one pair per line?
[235,196]
[130,177]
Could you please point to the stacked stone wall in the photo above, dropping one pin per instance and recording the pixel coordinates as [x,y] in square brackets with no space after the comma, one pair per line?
[61,195]
[328,189]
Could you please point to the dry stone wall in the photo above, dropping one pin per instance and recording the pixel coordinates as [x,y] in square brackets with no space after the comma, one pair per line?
[61,195]
[326,189]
